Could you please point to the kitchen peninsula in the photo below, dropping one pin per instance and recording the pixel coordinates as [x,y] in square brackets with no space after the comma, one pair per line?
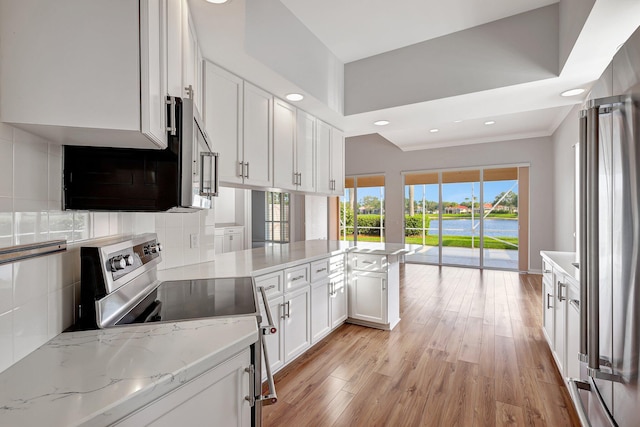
[100,377]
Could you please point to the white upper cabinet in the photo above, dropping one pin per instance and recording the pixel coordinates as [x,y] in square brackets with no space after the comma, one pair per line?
[256,150]
[223,119]
[293,148]
[337,162]
[285,175]
[323,158]
[305,151]
[71,75]
[329,160]
[191,61]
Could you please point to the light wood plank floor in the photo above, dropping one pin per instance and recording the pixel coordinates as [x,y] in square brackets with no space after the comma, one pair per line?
[469,351]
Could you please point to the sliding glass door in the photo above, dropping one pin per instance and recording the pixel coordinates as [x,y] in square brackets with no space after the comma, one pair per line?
[464,217]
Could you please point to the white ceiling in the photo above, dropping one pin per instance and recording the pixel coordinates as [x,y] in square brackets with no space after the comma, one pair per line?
[356,29]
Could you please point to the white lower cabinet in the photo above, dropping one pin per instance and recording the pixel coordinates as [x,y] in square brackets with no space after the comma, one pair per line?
[338,300]
[368,297]
[374,290]
[561,316]
[217,396]
[321,309]
[296,319]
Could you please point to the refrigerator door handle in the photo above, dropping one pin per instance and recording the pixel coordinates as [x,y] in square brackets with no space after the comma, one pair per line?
[574,387]
[583,234]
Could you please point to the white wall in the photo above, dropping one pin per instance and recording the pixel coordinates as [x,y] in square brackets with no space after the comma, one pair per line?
[564,206]
[39,297]
[372,154]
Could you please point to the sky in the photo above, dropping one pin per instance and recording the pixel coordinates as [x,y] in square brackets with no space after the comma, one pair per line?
[450,192]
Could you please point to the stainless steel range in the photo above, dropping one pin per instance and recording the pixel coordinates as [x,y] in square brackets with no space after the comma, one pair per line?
[119,287]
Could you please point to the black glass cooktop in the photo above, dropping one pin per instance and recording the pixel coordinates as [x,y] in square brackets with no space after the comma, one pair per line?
[195,299]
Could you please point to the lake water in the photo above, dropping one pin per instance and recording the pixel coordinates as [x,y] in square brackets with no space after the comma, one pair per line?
[462,227]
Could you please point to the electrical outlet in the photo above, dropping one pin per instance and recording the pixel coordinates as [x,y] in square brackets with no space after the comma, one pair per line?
[195,241]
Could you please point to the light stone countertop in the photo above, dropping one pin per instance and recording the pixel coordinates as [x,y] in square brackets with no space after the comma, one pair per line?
[253,262]
[97,377]
[94,378]
[564,261]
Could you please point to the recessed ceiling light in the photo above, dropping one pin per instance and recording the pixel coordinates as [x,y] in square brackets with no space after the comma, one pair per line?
[490,122]
[434,130]
[295,97]
[457,121]
[381,123]
[217,1]
[572,92]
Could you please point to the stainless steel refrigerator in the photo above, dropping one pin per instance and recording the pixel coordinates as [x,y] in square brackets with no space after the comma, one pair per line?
[608,391]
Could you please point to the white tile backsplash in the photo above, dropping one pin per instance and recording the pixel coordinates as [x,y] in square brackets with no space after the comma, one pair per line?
[30,326]
[30,280]
[39,297]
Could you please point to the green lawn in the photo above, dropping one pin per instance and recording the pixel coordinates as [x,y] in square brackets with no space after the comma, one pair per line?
[453,241]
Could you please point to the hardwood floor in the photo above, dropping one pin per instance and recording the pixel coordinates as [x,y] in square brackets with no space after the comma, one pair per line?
[469,351]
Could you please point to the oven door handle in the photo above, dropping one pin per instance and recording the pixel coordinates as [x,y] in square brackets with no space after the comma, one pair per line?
[272,397]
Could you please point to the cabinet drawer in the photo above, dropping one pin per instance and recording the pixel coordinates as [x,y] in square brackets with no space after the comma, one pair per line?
[369,262]
[319,269]
[271,282]
[336,263]
[296,277]
[547,271]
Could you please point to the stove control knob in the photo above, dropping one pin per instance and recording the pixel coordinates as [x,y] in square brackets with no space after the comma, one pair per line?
[118,263]
[155,248]
[128,259]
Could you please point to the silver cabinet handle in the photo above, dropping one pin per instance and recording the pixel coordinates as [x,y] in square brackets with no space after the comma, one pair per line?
[384,284]
[288,309]
[247,175]
[549,297]
[560,287]
[297,278]
[368,262]
[251,398]
[241,169]
[171,102]
[546,271]
[272,397]
[268,287]
[321,269]
[283,311]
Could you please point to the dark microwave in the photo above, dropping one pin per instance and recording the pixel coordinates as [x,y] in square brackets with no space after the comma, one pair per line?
[180,178]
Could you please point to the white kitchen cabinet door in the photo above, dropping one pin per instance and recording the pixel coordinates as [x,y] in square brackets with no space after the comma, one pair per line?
[338,300]
[153,69]
[174,47]
[560,320]
[368,297]
[305,151]
[284,140]
[233,240]
[320,310]
[218,394]
[96,83]
[297,326]
[323,158]
[548,304]
[257,152]
[223,119]
[274,342]
[337,162]
[191,61]
[572,369]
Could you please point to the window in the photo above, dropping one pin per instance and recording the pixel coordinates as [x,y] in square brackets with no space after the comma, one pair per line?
[362,209]
[277,217]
